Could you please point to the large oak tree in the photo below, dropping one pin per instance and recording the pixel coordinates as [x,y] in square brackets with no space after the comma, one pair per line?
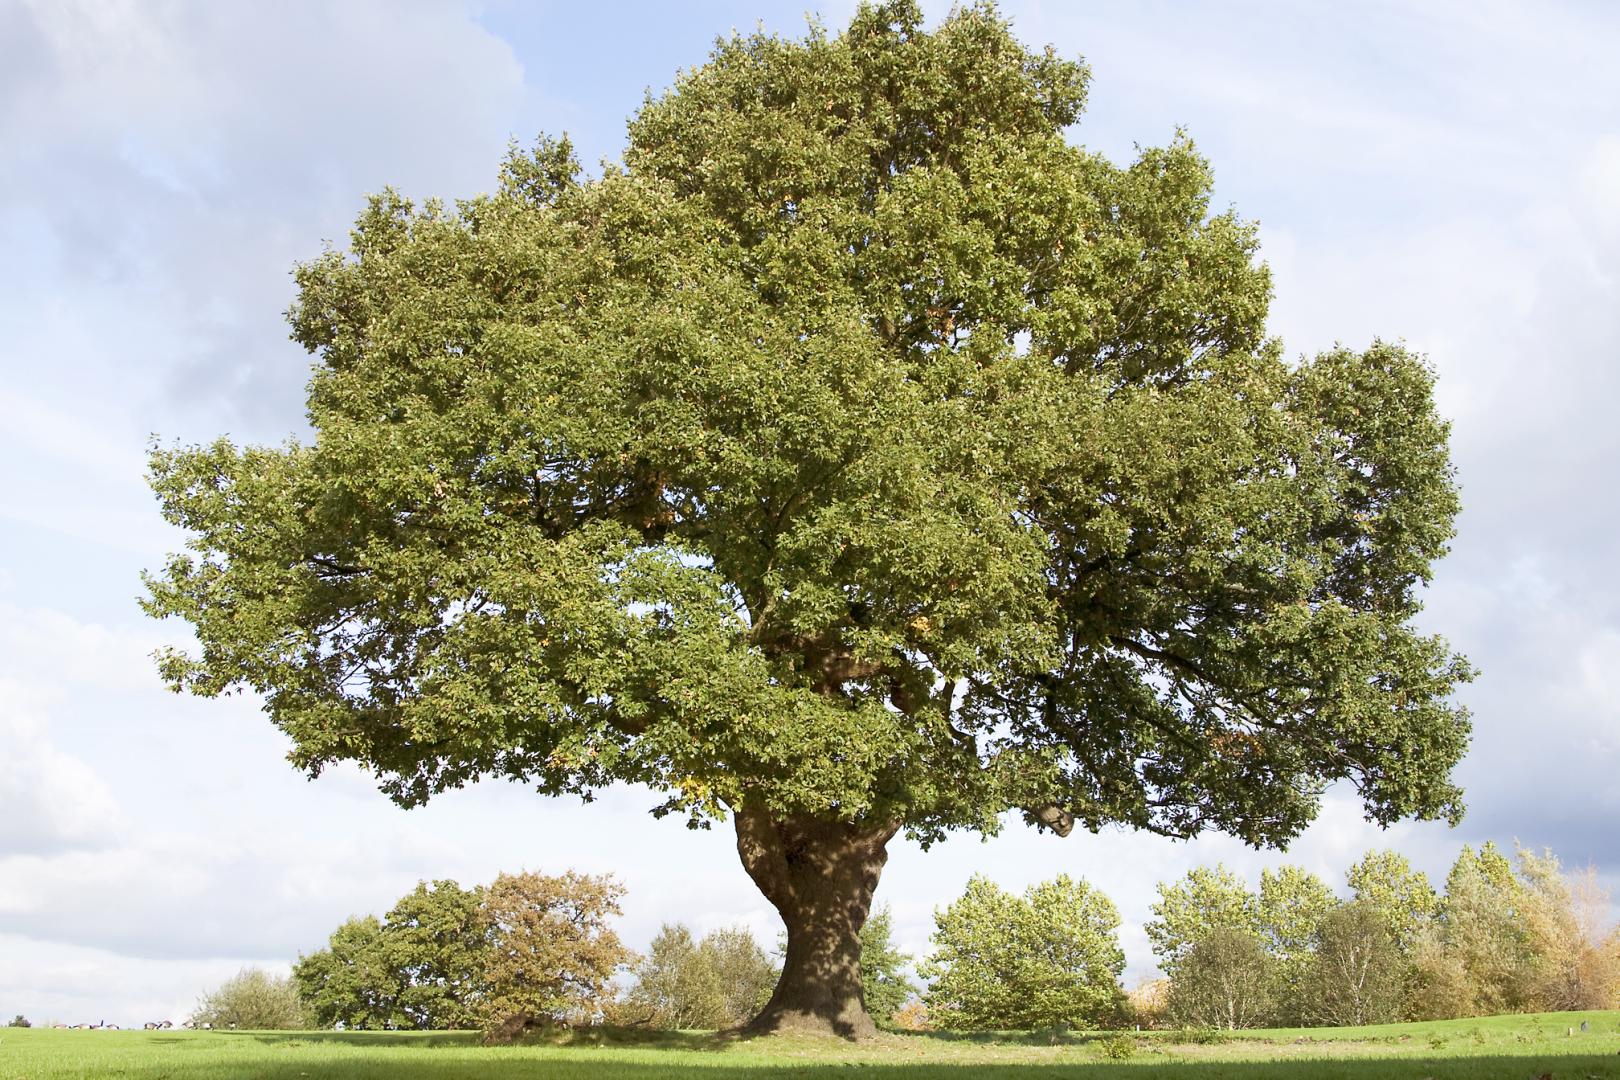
[858,454]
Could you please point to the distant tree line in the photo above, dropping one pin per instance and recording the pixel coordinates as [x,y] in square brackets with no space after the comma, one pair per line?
[531,950]
[528,947]
[1498,939]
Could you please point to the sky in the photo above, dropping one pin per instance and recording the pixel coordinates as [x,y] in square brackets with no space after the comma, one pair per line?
[1445,173]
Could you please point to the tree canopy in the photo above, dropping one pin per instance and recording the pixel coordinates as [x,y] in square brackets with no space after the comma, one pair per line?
[719,982]
[1050,957]
[855,453]
[420,967]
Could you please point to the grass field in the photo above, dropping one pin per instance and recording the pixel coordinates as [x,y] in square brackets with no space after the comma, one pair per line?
[1510,1047]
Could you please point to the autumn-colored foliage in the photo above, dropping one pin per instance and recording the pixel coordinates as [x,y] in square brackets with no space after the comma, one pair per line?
[552,954]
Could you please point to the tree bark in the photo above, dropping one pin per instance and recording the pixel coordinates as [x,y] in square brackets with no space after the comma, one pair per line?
[819,875]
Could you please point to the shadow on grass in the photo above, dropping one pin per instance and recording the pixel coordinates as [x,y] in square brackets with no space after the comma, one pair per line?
[1070,1037]
[614,1038]
[498,1065]
[388,1040]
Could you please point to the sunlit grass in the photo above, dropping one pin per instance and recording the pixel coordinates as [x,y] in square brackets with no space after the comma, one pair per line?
[1516,1047]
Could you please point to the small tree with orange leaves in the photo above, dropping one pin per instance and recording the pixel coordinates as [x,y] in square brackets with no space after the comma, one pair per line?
[552,953]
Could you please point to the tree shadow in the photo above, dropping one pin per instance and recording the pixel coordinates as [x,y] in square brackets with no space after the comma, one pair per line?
[596,1036]
[391,1040]
[506,1066]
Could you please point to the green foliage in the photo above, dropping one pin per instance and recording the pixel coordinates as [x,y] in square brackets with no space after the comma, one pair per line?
[1225,980]
[715,984]
[1207,899]
[435,940]
[1118,1047]
[1385,882]
[1357,974]
[858,446]
[252,1000]
[349,981]
[884,983]
[1292,905]
[420,967]
[1047,958]
[675,987]
[746,973]
[19,1021]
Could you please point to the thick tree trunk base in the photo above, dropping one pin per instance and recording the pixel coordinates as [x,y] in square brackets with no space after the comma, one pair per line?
[820,877]
[840,1020]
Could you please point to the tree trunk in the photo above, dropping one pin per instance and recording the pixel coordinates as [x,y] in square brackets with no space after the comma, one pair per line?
[819,875]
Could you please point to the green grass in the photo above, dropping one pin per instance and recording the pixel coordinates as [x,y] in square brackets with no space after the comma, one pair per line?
[1510,1047]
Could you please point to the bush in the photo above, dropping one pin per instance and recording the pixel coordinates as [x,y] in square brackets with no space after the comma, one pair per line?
[1049,957]
[912,1016]
[1227,980]
[19,1021]
[720,982]
[1357,974]
[254,1000]
[1118,1047]
[1146,1004]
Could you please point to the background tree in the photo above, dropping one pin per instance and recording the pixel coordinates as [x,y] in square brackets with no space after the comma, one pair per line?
[422,966]
[857,454]
[1226,980]
[350,981]
[718,983]
[1481,926]
[19,1021]
[884,984]
[1576,961]
[1384,882]
[1440,985]
[1049,957]
[675,988]
[1206,899]
[1293,903]
[253,1000]
[552,955]
[435,946]
[1356,974]
[747,975]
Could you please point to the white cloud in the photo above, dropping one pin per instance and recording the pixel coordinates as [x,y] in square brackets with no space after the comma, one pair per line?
[49,799]
[52,982]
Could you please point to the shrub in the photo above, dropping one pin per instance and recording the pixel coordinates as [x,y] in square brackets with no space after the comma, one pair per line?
[912,1016]
[1357,974]
[1118,1047]
[720,982]
[1049,957]
[1147,1002]
[1227,980]
[254,1000]
[19,1021]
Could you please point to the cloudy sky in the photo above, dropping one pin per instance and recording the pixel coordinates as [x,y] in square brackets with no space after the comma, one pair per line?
[1447,173]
